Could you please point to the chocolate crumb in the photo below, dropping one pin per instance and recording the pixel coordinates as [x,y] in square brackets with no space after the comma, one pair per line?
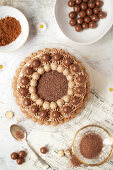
[52,86]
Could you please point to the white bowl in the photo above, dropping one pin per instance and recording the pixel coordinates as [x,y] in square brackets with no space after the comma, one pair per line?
[87,36]
[21,39]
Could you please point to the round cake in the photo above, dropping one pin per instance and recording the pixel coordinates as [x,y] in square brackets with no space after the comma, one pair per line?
[51,86]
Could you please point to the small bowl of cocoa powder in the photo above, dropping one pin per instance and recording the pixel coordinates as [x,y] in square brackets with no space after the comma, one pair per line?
[14,29]
[92,145]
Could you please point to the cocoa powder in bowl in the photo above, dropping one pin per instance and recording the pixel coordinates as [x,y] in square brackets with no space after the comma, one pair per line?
[52,86]
[10,29]
[91,145]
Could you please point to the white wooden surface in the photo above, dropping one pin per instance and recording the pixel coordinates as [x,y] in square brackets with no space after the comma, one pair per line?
[98,55]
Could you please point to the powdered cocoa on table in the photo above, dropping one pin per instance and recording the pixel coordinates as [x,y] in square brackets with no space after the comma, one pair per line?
[74,161]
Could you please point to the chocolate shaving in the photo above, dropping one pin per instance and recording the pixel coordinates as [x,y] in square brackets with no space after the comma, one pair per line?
[52,86]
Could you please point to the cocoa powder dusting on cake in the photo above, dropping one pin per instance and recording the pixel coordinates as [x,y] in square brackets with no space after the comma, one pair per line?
[52,86]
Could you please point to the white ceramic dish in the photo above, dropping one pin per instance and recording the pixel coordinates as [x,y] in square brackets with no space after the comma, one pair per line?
[87,36]
[13,12]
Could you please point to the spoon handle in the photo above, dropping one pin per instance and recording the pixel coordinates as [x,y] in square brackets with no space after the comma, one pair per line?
[44,163]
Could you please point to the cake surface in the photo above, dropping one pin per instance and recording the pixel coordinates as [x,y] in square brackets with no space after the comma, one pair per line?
[51,86]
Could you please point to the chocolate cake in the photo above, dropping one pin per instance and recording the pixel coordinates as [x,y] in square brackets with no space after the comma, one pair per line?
[51,86]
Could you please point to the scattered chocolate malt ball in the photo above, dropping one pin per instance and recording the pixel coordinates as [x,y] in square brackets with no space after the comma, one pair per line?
[19,157]
[43,150]
[20,161]
[14,155]
[22,154]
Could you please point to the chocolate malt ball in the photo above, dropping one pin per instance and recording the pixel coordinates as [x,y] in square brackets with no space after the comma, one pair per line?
[72,15]
[91,4]
[55,114]
[96,10]
[81,79]
[76,8]
[89,12]
[75,68]
[102,15]
[85,26]
[78,2]
[22,154]
[67,61]
[43,114]
[67,109]
[24,80]
[27,102]
[35,63]
[43,150]
[72,22]
[45,58]
[83,6]
[23,91]
[80,20]
[71,3]
[14,155]
[34,109]
[75,100]
[99,3]
[82,14]
[80,90]
[78,28]
[94,18]
[20,161]
[87,19]
[29,71]
[56,57]
[92,25]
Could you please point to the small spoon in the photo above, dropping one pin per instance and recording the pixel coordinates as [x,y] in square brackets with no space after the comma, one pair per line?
[19,133]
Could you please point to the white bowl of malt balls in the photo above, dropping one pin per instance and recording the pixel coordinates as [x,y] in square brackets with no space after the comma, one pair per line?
[14,29]
[84,21]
